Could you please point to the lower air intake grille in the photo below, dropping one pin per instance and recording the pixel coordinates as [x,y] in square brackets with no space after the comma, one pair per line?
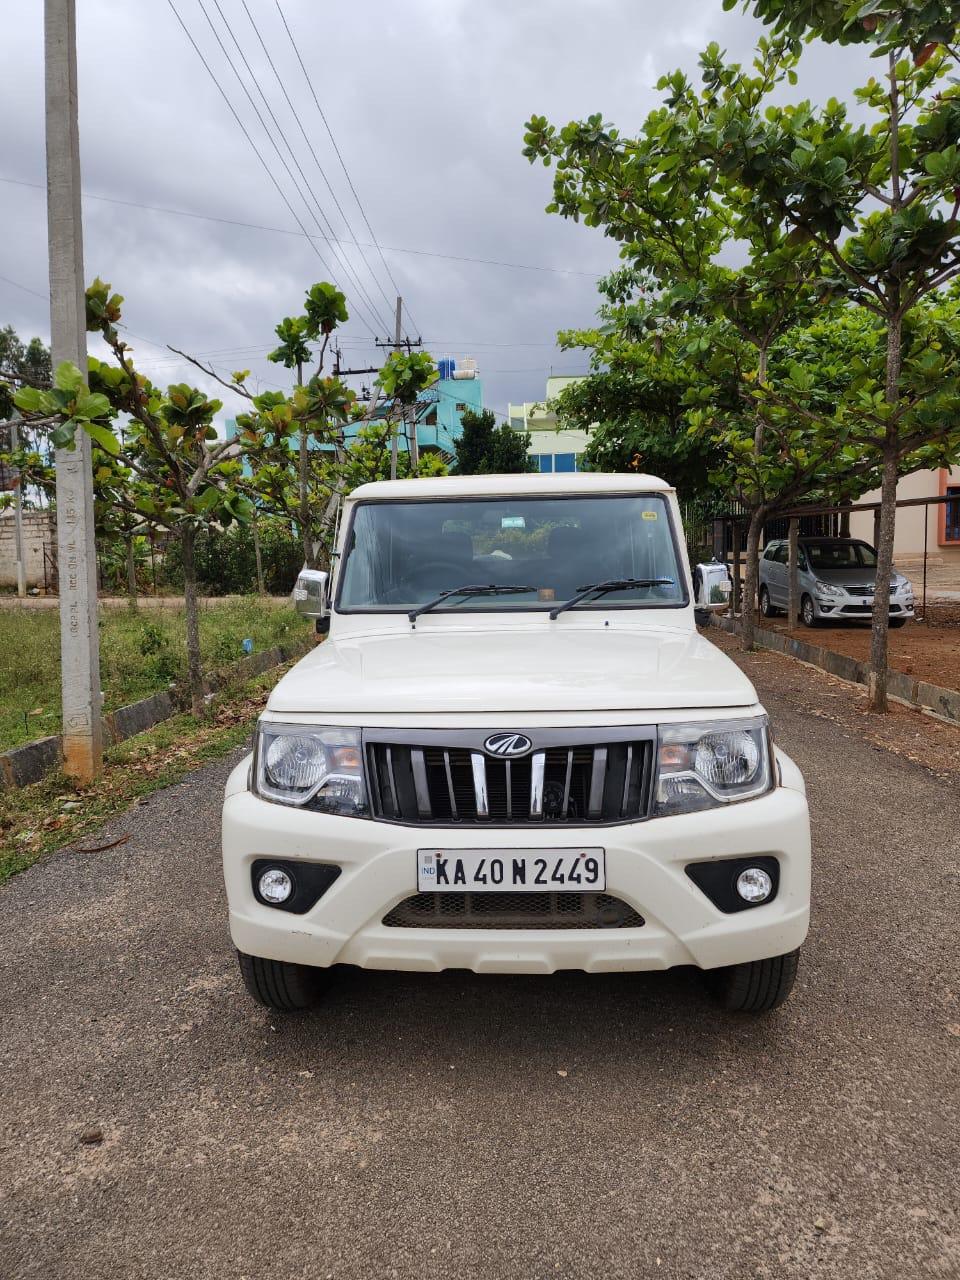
[513,911]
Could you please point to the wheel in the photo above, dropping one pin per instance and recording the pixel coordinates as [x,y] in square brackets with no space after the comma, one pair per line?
[807,612]
[281,986]
[898,622]
[755,987]
[766,607]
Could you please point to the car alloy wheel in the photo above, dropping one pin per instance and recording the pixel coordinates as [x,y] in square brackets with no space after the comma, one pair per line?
[807,612]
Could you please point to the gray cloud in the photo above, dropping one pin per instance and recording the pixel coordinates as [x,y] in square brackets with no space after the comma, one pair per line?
[427,101]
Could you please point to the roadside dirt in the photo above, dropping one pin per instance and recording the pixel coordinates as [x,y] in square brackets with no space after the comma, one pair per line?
[906,733]
[928,650]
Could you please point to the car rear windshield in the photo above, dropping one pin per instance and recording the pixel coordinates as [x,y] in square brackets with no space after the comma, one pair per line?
[840,553]
[400,555]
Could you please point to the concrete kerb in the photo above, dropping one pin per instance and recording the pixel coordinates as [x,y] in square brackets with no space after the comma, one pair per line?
[944,704]
[29,763]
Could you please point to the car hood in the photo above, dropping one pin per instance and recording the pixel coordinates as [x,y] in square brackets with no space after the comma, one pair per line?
[850,577]
[537,669]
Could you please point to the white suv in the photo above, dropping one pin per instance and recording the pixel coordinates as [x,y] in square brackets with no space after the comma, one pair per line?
[514,754]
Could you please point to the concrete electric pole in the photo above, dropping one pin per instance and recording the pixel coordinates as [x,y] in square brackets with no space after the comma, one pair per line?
[76,550]
[18,513]
[397,338]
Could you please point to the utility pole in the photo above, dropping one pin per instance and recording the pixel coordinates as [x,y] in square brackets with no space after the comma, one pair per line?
[397,336]
[76,550]
[18,513]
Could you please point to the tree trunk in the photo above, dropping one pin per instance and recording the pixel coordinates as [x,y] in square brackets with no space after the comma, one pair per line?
[748,608]
[881,596]
[131,571]
[844,531]
[258,557]
[188,535]
[793,573]
[888,490]
[308,556]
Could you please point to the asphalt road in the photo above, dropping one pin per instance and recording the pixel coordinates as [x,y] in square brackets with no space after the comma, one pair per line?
[453,1125]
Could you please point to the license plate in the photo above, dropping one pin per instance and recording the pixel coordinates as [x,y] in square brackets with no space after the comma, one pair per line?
[510,871]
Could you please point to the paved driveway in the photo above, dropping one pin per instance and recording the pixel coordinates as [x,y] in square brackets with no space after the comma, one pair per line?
[448,1126]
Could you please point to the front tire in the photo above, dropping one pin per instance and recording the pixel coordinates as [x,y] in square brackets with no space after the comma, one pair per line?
[756,986]
[286,988]
[766,607]
[896,623]
[808,613]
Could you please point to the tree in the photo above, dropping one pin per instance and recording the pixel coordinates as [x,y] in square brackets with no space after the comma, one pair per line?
[169,468]
[21,365]
[402,379]
[486,449]
[728,167]
[880,206]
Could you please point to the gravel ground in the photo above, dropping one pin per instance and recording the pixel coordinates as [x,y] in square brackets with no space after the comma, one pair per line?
[155,1123]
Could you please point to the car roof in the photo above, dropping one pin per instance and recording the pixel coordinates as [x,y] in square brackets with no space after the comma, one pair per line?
[531,484]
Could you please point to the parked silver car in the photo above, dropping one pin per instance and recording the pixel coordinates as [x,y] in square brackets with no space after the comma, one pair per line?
[837,581]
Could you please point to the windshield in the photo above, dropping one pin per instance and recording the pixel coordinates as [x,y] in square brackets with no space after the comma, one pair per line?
[840,553]
[400,555]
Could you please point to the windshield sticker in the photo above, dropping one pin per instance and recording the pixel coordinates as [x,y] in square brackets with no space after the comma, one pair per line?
[649,515]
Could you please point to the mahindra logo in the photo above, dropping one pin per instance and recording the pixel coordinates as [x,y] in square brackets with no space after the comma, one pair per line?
[507,744]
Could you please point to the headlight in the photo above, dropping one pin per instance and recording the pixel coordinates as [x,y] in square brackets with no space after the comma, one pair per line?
[299,765]
[714,763]
[828,590]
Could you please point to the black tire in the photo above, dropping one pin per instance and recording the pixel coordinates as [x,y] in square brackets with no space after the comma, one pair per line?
[808,613]
[755,987]
[767,610]
[281,986]
[896,623]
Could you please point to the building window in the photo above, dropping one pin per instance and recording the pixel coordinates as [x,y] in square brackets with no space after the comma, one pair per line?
[461,407]
[951,532]
[558,462]
[545,461]
[564,462]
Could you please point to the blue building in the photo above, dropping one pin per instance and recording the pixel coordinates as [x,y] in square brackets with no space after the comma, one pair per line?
[439,410]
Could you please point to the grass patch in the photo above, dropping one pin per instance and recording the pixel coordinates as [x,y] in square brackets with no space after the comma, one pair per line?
[141,652]
[37,819]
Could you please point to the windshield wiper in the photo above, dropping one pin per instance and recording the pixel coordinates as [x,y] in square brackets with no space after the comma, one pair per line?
[487,589]
[601,589]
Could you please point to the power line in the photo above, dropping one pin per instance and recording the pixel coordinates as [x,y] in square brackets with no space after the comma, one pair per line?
[343,166]
[270,138]
[246,134]
[331,238]
[311,149]
[288,231]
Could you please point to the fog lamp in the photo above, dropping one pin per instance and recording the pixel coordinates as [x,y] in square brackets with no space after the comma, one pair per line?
[754,885]
[275,886]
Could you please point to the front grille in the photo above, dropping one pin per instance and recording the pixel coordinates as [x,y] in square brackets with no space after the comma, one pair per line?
[565,783]
[513,911]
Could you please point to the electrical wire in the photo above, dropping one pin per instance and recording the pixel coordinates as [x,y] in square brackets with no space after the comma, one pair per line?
[288,231]
[270,138]
[246,134]
[316,159]
[343,166]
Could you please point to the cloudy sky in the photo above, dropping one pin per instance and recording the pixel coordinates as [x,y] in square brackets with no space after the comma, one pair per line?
[426,101]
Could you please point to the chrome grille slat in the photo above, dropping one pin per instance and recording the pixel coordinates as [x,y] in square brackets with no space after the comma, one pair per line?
[565,806]
[418,764]
[453,794]
[479,766]
[538,768]
[597,774]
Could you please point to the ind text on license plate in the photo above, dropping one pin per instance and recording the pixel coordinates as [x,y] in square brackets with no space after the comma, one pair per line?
[510,871]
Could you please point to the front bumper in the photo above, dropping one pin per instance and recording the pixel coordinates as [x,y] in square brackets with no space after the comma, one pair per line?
[645,868]
[852,608]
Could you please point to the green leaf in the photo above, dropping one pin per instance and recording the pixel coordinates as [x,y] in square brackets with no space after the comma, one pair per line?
[28,399]
[68,377]
[103,437]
